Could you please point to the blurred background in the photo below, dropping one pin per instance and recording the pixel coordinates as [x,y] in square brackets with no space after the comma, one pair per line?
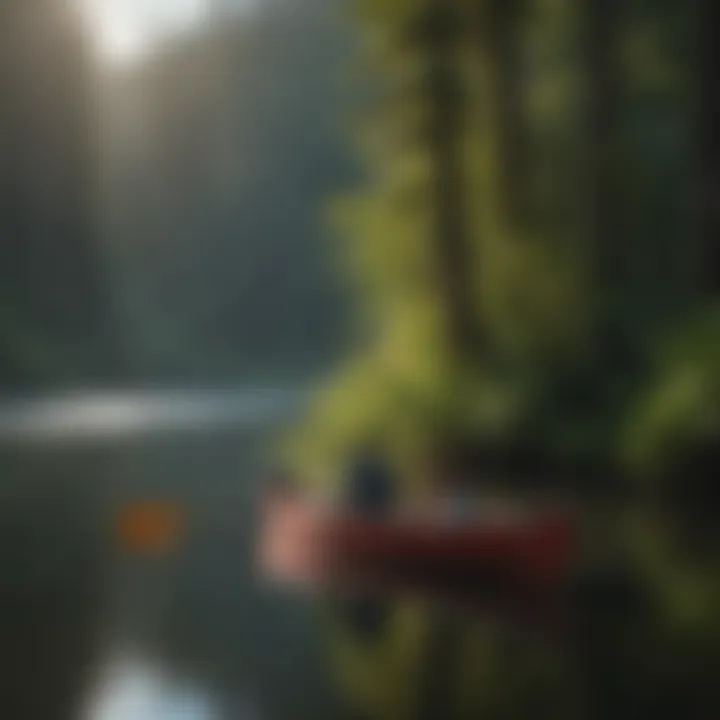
[484,233]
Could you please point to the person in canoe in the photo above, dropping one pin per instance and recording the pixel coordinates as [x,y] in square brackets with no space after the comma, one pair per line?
[370,488]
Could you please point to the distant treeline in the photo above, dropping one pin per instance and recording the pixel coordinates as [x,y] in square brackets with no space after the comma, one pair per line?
[56,318]
[222,149]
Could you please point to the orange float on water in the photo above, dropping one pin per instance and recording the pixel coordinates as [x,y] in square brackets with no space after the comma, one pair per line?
[150,527]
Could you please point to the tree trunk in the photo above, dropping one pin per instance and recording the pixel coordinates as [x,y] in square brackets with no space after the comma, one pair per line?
[599,19]
[445,130]
[500,40]
[707,144]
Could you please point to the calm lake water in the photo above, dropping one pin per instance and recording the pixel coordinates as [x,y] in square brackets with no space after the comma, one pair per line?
[88,632]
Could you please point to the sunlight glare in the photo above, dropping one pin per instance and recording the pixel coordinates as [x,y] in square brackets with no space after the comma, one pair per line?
[126,29]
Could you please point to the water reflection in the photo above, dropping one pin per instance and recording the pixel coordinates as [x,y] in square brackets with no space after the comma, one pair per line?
[211,636]
[133,688]
[92,415]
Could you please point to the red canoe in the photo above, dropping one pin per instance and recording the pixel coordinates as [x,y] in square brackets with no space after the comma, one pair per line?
[525,555]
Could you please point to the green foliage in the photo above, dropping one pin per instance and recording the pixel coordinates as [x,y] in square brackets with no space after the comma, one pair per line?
[529,284]
[613,362]
[681,408]
[534,286]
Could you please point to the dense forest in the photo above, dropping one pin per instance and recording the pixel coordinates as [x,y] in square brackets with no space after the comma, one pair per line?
[534,248]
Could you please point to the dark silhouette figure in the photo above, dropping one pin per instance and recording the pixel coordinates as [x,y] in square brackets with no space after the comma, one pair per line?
[370,486]
[369,491]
